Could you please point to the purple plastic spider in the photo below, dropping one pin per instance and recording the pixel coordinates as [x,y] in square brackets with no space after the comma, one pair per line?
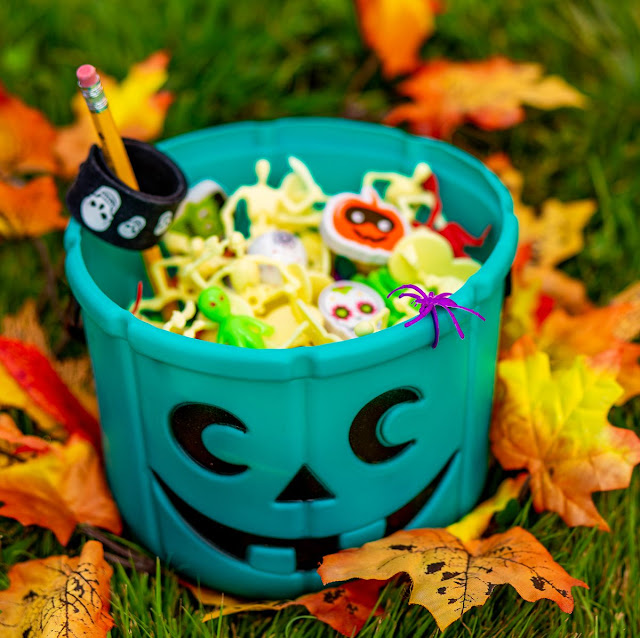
[428,304]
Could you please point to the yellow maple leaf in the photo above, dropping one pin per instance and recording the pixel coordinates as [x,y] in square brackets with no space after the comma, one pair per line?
[554,424]
[138,107]
[556,234]
[451,576]
[475,523]
[30,210]
[396,29]
[489,93]
[58,596]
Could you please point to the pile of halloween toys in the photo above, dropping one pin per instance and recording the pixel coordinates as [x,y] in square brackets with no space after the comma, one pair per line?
[292,266]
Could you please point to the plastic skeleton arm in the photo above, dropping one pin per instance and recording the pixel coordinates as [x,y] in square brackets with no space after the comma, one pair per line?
[275,207]
[406,193]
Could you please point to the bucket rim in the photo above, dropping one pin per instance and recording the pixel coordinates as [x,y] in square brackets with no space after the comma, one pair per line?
[343,356]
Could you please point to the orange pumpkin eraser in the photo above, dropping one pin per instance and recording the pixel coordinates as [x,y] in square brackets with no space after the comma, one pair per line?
[362,227]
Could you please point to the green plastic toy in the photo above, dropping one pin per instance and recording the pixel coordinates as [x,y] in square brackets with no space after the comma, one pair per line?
[199,213]
[234,330]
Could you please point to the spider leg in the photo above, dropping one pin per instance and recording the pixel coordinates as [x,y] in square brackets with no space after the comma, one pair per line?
[455,323]
[473,312]
[420,315]
[436,326]
[411,287]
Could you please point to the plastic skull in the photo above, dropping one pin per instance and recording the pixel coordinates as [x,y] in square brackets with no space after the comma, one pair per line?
[344,304]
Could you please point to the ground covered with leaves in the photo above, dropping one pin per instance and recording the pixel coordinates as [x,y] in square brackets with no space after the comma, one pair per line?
[547,95]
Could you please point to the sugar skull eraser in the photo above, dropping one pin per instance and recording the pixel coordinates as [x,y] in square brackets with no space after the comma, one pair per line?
[362,227]
[344,304]
[119,215]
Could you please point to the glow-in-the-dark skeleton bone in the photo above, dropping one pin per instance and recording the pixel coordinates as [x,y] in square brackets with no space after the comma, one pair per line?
[290,206]
[428,304]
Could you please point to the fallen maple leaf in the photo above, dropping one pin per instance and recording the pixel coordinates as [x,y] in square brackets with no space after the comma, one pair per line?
[556,234]
[57,488]
[451,576]
[138,108]
[475,523]
[490,93]
[26,138]
[30,210]
[628,327]
[58,597]
[396,29]
[345,608]
[538,288]
[76,373]
[28,381]
[592,333]
[14,444]
[554,424]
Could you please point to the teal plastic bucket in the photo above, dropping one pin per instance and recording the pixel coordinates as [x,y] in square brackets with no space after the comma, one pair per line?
[242,468]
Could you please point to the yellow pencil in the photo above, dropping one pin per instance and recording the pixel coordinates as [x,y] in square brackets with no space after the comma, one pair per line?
[113,148]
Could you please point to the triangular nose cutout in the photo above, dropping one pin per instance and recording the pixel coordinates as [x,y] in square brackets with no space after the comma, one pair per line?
[304,486]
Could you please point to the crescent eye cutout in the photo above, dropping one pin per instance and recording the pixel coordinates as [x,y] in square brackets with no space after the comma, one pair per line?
[188,422]
[364,434]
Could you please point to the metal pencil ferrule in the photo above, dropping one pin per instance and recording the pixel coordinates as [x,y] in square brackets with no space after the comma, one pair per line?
[95,97]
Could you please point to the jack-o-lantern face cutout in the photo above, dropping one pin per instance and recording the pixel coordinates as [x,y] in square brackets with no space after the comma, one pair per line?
[362,227]
[308,488]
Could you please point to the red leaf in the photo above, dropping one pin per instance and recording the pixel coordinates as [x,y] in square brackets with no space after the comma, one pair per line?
[34,373]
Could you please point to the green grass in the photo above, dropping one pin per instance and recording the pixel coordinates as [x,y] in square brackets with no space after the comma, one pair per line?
[244,60]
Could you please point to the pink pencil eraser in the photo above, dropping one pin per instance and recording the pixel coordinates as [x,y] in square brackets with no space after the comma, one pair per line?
[87,75]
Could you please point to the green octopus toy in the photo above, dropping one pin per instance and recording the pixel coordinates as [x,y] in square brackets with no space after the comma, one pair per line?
[233,330]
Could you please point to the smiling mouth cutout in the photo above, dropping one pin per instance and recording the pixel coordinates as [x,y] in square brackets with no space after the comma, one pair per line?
[309,551]
[375,240]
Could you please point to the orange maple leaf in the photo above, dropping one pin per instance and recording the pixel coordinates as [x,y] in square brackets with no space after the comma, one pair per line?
[76,373]
[488,93]
[30,210]
[26,138]
[138,108]
[554,424]
[57,488]
[451,576]
[29,382]
[58,596]
[396,29]
[345,608]
[595,332]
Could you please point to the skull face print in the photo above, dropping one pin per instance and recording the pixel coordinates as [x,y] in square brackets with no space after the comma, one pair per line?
[344,304]
[98,209]
[163,223]
[132,227]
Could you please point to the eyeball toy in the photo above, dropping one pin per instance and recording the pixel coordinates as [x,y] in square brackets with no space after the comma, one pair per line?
[362,227]
[282,246]
[344,304]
